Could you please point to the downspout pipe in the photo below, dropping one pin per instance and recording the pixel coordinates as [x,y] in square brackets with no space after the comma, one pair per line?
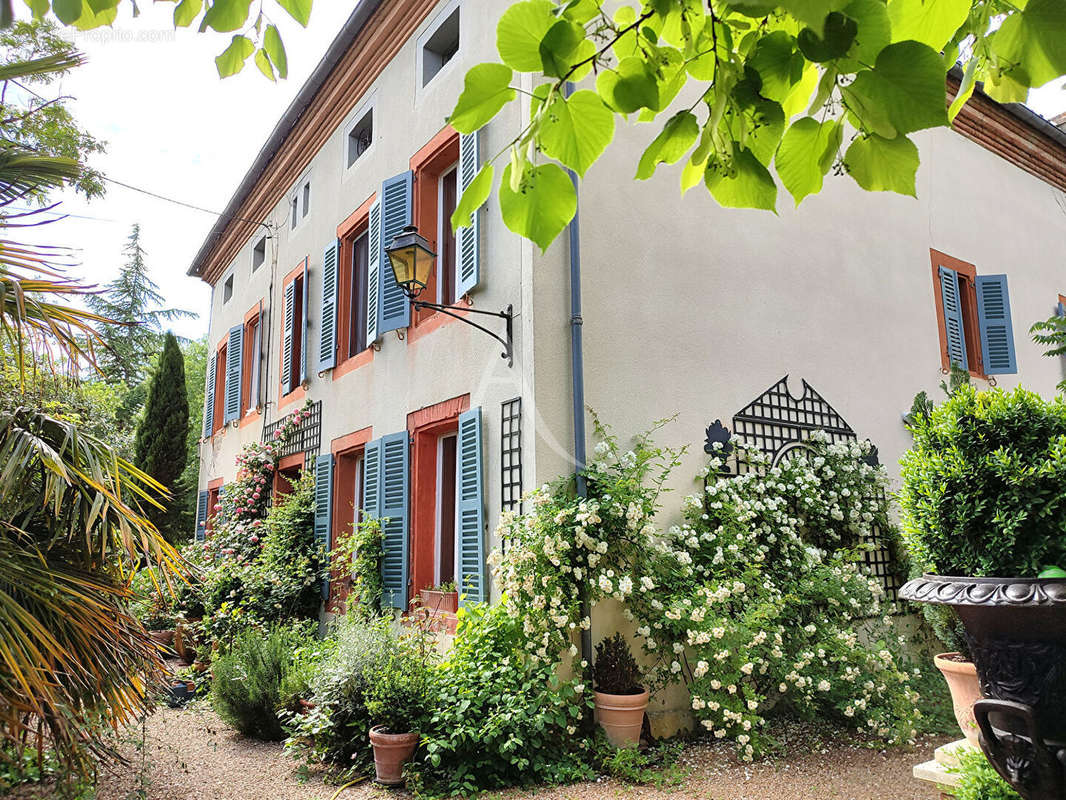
[577,376]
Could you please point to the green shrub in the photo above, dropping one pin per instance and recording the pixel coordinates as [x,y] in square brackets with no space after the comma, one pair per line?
[984,485]
[979,781]
[397,694]
[246,690]
[615,670]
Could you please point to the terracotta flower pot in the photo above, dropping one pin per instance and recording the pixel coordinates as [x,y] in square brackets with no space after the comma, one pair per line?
[164,638]
[621,716]
[391,752]
[435,600]
[965,691]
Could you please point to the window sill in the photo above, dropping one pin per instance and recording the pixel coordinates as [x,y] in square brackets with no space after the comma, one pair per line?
[296,394]
[353,363]
[250,417]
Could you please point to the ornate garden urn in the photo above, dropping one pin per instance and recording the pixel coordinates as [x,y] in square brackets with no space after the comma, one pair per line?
[1016,630]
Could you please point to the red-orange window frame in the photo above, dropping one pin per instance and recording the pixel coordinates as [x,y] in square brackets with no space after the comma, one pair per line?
[252,320]
[968,303]
[346,450]
[298,392]
[219,400]
[213,488]
[347,232]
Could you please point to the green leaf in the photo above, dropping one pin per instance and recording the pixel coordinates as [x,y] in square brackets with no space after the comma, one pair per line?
[675,139]
[299,10]
[931,22]
[67,11]
[262,60]
[839,34]
[486,89]
[1035,41]
[581,11]
[800,94]
[966,88]
[275,48]
[874,34]
[904,92]
[812,13]
[746,184]
[543,205]
[226,15]
[630,86]
[577,129]
[90,19]
[473,198]
[186,11]
[779,65]
[520,31]
[38,8]
[883,165]
[806,154]
[765,136]
[558,46]
[99,6]
[231,60]
[1052,572]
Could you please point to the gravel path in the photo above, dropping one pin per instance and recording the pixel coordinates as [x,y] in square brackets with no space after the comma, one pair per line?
[193,755]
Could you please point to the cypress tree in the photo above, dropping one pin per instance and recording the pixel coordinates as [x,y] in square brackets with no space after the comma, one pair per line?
[160,447]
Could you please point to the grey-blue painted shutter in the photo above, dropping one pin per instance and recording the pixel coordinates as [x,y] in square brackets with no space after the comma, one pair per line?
[327,327]
[1060,310]
[305,343]
[394,307]
[373,272]
[201,516]
[209,396]
[470,503]
[234,368]
[393,498]
[468,240]
[286,339]
[372,480]
[323,510]
[993,318]
[952,306]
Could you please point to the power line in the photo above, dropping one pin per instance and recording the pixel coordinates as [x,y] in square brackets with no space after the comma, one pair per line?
[179,202]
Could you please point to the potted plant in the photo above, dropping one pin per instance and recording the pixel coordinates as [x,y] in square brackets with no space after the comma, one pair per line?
[442,598]
[956,666]
[984,513]
[620,699]
[396,702]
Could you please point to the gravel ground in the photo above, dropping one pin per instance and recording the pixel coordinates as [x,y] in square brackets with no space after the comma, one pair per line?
[193,755]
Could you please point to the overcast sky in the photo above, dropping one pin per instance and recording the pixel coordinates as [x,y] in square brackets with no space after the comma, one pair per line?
[174,128]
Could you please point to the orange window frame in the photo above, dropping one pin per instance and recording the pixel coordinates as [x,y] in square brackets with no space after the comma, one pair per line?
[220,385]
[347,451]
[252,320]
[297,392]
[348,231]
[968,303]
[213,488]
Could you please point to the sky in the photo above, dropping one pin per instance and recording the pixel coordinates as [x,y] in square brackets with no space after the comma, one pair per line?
[174,128]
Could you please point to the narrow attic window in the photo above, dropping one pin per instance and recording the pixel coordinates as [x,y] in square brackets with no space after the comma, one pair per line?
[307,198]
[259,254]
[441,44]
[360,136]
[227,289]
[295,204]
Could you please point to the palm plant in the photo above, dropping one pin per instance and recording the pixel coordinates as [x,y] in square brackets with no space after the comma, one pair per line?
[73,660]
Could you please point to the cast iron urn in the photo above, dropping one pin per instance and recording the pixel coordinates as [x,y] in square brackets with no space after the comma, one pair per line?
[1016,630]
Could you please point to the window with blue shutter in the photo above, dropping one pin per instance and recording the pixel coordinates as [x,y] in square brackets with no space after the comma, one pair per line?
[470,503]
[394,309]
[327,326]
[209,396]
[395,475]
[993,318]
[372,483]
[373,272]
[305,323]
[323,510]
[951,300]
[256,353]
[286,338]
[201,516]
[468,239]
[234,372]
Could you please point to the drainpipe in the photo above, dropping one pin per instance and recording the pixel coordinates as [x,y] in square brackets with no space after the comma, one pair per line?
[577,375]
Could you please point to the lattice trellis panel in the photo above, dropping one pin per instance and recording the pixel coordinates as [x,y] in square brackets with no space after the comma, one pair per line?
[306,439]
[778,424]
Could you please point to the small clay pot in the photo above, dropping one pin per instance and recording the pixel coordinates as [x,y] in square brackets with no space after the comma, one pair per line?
[965,690]
[435,600]
[621,716]
[391,752]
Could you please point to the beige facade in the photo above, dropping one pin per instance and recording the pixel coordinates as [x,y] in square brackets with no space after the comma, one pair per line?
[689,308]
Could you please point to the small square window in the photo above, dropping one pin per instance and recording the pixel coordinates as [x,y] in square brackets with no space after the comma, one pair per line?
[440,46]
[259,254]
[361,136]
[227,289]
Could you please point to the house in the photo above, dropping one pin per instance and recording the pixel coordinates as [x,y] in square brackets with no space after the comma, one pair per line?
[682,307]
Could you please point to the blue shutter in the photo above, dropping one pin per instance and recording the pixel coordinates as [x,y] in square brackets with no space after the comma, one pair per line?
[304,343]
[209,396]
[234,364]
[327,327]
[286,339]
[323,511]
[373,273]
[393,499]
[394,307]
[1060,310]
[952,305]
[993,318]
[201,516]
[468,240]
[470,503]
[372,482]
